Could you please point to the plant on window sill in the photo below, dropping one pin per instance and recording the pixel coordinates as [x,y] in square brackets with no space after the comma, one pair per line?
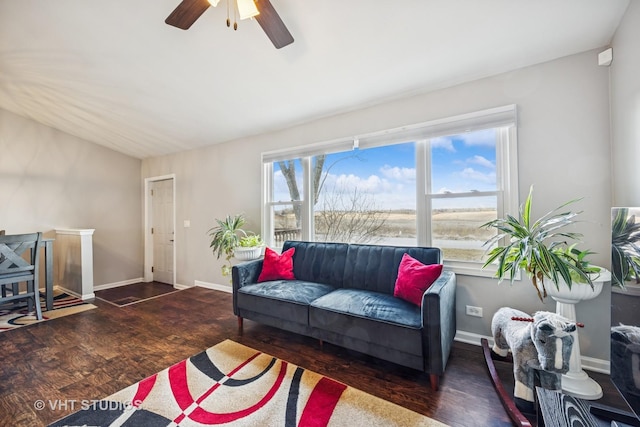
[540,248]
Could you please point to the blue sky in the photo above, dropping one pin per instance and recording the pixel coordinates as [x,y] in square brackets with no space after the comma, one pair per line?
[387,174]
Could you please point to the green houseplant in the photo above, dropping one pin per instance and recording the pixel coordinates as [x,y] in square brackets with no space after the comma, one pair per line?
[249,247]
[229,235]
[540,248]
[625,247]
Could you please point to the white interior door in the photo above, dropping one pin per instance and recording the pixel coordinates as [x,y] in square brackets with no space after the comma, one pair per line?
[162,232]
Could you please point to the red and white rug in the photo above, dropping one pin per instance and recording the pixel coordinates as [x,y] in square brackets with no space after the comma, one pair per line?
[63,305]
[231,384]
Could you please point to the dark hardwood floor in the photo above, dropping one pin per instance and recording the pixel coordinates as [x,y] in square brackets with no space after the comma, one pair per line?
[96,353]
[132,294]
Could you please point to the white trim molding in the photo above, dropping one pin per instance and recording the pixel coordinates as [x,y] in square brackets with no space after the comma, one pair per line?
[76,231]
[75,294]
[215,286]
[117,284]
[588,363]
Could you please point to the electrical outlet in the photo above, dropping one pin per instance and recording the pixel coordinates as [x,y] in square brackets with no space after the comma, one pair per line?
[474,311]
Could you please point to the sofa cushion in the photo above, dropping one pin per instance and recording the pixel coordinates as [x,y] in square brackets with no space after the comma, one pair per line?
[289,299]
[369,316]
[375,267]
[414,278]
[319,262]
[372,305]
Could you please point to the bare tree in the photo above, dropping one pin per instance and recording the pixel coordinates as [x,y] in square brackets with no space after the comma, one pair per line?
[345,217]
[288,168]
[350,217]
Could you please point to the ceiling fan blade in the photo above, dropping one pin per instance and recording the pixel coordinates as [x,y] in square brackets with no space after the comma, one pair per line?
[187,13]
[272,25]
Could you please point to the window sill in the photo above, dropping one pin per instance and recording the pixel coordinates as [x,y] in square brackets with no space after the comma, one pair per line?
[473,269]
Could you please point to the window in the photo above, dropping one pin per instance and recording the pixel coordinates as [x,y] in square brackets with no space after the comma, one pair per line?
[366,196]
[431,184]
[462,192]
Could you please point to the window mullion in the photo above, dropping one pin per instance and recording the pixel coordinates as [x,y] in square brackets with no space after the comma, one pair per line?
[307,200]
[267,212]
[423,202]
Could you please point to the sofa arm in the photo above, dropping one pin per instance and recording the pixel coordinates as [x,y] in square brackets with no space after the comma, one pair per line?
[243,274]
[439,322]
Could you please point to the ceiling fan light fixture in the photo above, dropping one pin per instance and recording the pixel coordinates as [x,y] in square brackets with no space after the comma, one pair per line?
[246,9]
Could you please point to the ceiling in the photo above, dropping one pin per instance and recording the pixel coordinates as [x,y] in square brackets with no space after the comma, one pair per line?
[112,72]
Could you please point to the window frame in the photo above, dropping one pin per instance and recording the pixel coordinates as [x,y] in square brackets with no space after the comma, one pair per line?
[504,119]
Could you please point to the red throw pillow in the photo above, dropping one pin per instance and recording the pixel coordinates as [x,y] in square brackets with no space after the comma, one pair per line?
[414,278]
[277,267]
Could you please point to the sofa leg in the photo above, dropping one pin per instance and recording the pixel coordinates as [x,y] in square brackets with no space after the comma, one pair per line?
[435,381]
[320,342]
[240,325]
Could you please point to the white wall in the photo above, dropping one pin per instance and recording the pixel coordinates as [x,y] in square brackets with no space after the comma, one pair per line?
[563,150]
[625,109]
[49,180]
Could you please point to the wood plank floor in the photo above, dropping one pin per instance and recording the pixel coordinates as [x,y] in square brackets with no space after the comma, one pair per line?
[96,353]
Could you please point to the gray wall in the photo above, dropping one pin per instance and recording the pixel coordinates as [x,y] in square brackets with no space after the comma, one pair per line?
[49,180]
[625,109]
[563,149]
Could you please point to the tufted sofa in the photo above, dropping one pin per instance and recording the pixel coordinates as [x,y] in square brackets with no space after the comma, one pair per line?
[343,294]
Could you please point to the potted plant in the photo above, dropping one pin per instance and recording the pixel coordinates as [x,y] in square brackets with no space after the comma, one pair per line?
[227,236]
[540,248]
[249,247]
[625,247]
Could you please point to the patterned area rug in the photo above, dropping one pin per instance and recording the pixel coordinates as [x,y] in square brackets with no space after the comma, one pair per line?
[63,305]
[231,384]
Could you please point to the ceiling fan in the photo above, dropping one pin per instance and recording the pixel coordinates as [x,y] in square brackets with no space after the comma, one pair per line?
[188,11]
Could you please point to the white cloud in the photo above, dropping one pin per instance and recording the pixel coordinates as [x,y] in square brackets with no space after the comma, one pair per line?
[474,175]
[398,174]
[387,193]
[443,142]
[370,184]
[481,161]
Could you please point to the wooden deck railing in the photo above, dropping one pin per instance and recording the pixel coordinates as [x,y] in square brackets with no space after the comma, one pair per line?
[282,234]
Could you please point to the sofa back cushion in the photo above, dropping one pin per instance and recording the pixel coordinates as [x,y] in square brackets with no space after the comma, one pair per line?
[319,262]
[375,267]
[369,267]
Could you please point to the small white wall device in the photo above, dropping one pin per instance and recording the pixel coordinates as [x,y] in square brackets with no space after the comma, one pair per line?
[605,57]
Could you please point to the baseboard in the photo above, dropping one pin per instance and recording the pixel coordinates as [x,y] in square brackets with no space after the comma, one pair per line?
[471,338]
[117,284]
[75,294]
[181,287]
[214,286]
[596,365]
[588,363]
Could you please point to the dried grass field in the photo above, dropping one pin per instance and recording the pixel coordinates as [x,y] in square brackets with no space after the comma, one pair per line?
[457,231]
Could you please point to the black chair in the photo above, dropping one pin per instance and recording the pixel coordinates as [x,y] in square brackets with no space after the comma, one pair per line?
[15,268]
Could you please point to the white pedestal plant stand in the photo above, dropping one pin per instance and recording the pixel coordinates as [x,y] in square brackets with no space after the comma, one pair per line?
[576,382]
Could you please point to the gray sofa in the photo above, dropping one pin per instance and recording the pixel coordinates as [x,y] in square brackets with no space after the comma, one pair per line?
[343,294]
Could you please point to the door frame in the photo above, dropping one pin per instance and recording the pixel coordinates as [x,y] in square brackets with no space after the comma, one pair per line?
[148,237]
